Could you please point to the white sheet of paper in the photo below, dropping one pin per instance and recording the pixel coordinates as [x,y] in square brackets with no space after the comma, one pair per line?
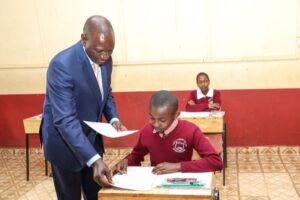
[136,178]
[108,130]
[201,114]
[142,179]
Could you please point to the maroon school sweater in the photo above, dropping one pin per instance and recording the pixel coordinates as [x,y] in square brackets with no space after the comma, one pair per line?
[176,147]
[202,104]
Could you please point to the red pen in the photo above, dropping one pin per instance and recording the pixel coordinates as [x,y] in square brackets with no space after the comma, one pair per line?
[181,180]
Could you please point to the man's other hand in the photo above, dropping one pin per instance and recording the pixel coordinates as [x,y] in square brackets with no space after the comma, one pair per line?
[101,173]
[119,126]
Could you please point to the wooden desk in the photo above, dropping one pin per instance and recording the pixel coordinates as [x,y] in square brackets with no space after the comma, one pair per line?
[155,194]
[210,123]
[31,127]
[160,193]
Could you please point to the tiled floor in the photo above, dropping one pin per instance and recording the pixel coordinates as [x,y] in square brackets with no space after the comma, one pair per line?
[256,173]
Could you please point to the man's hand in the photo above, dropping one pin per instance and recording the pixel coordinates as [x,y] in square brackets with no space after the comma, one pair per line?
[191,102]
[101,173]
[121,167]
[119,126]
[165,168]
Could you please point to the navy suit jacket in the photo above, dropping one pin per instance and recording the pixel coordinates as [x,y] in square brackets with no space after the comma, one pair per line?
[73,95]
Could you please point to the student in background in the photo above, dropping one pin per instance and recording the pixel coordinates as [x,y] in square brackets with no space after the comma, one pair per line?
[170,141]
[204,98]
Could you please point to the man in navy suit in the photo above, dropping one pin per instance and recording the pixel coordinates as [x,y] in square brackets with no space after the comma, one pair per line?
[75,92]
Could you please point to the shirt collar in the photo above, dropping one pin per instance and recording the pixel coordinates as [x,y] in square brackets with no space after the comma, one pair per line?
[91,62]
[168,130]
[200,95]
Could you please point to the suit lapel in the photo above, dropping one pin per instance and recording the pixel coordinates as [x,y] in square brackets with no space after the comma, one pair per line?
[88,73]
[92,81]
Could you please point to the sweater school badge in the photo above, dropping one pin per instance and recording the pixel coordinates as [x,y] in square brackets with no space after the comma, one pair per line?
[179,145]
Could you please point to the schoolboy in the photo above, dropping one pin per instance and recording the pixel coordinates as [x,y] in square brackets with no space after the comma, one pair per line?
[170,141]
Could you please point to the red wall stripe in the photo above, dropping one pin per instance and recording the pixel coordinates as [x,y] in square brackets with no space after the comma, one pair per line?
[254,117]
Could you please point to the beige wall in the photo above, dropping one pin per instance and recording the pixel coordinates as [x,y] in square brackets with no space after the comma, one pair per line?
[242,44]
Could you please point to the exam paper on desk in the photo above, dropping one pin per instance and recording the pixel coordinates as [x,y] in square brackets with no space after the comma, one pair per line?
[142,178]
[108,130]
[136,178]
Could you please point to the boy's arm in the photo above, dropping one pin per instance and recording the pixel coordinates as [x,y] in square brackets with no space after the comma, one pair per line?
[210,159]
[137,155]
[217,97]
[216,100]
[166,167]
[133,159]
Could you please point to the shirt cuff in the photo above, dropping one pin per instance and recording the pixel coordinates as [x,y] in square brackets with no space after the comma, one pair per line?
[93,159]
[113,120]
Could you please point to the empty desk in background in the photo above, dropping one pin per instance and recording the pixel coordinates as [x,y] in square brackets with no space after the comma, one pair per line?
[31,127]
[210,123]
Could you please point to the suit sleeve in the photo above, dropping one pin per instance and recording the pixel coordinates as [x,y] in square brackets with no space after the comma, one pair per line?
[60,90]
[210,160]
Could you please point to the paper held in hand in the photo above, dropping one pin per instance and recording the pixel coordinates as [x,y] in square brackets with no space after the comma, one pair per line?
[108,130]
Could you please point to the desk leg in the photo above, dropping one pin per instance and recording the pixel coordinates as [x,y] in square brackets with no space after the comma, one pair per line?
[46,167]
[224,153]
[225,146]
[215,195]
[27,158]
[224,171]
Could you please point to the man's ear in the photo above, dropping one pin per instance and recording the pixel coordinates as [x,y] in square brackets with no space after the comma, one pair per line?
[83,38]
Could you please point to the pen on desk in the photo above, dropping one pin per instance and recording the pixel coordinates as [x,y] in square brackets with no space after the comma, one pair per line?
[180,180]
[187,184]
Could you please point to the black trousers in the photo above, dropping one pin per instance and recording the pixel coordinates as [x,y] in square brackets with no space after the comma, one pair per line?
[69,184]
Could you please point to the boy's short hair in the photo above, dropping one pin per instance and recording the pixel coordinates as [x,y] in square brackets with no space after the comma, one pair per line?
[162,98]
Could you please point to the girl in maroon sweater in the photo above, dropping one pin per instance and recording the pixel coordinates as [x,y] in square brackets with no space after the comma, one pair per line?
[170,142]
[204,98]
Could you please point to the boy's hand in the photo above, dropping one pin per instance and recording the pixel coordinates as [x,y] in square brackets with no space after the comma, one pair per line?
[191,102]
[216,106]
[121,167]
[212,105]
[165,168]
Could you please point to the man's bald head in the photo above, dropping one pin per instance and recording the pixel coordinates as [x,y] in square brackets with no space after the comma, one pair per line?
[98,24]
[98,38]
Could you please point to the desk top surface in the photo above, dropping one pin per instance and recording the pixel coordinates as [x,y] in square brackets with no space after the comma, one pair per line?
[141,182]
[156,192]
[213,114]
